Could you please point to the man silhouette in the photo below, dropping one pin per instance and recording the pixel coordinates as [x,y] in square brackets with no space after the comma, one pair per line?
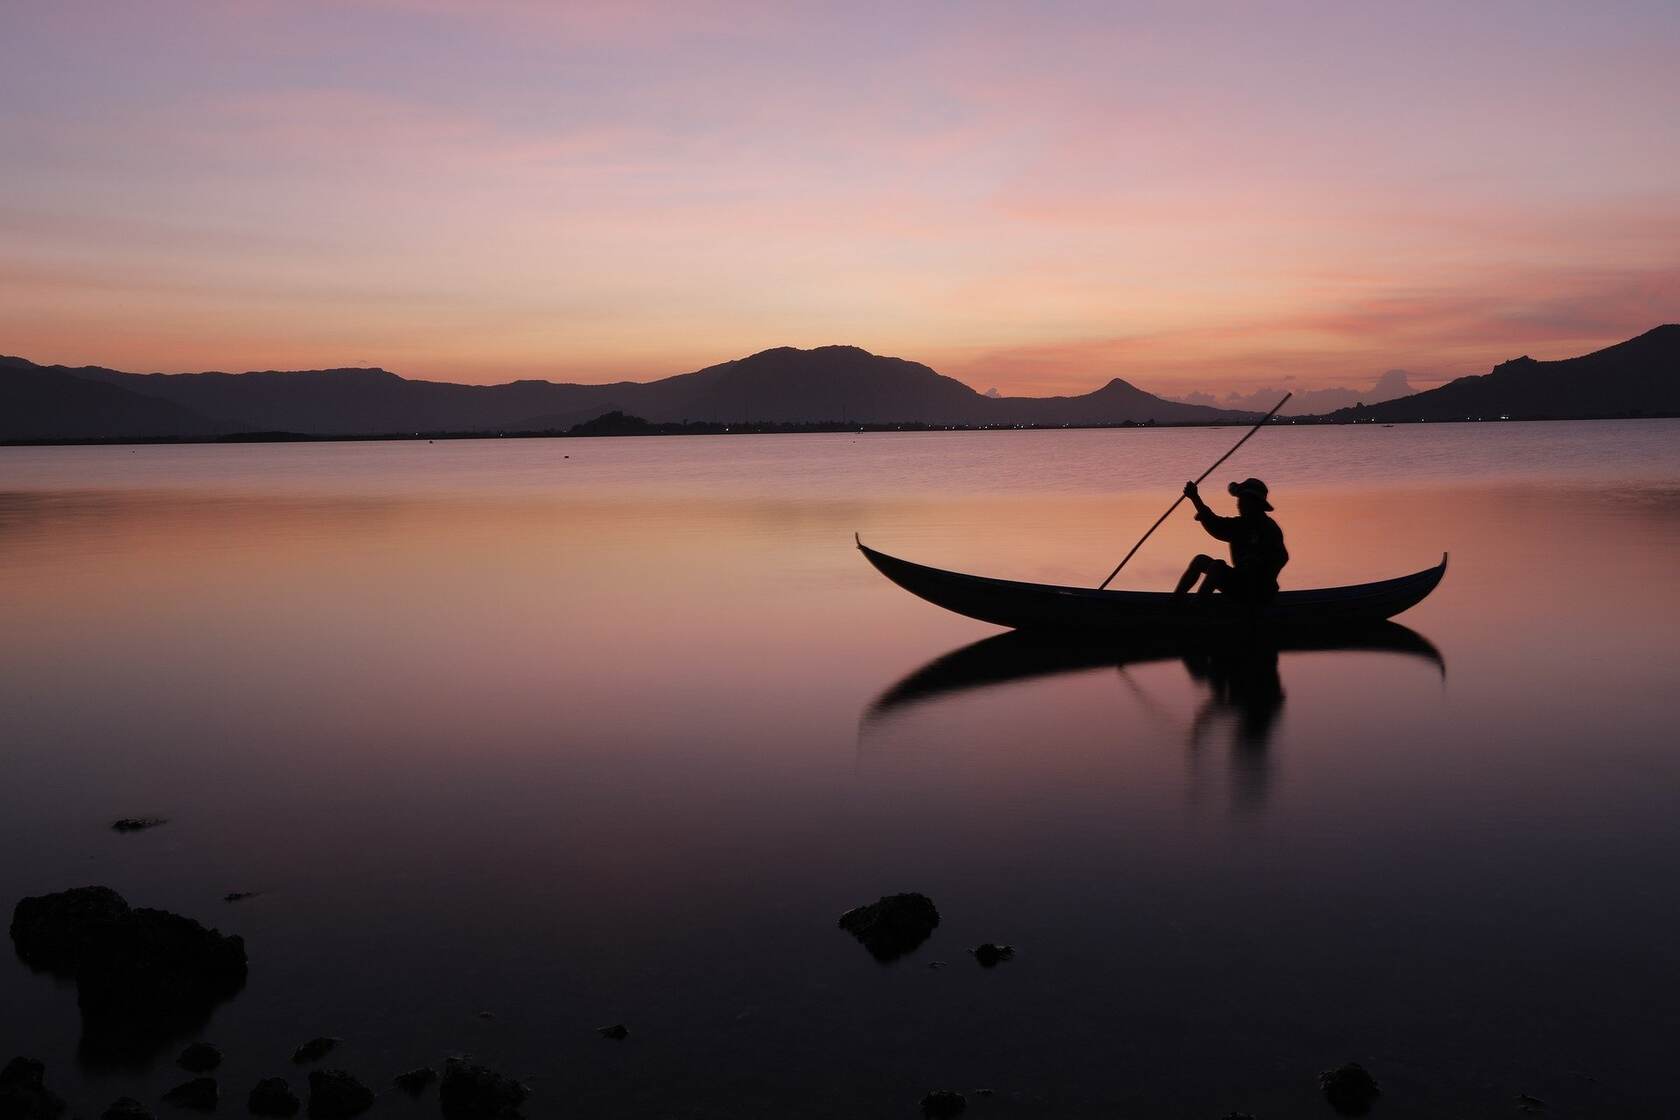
[1257,552]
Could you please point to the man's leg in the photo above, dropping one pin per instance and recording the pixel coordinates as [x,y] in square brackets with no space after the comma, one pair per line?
[1217,578]
[1198,568]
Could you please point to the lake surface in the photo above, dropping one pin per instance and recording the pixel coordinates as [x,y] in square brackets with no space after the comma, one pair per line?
[578,732]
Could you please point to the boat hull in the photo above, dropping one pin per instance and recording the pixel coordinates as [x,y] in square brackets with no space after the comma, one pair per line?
[1040,606]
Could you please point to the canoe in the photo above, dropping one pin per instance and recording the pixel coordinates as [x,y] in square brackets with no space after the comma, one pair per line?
[1042,606]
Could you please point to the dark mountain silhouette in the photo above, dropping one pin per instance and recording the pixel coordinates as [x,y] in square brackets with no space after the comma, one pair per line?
[36,403]
[1310,402]
[1118,401]
[351,401]
[1639,377]
[829,384]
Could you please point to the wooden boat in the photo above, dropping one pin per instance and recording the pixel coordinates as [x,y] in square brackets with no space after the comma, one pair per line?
[1041,606]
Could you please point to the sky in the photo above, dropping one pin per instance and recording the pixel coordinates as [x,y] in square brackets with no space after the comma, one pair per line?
[1034,197]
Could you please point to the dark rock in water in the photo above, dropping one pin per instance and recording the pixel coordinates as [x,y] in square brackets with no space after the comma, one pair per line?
[154,965]
[200,1092]
[200,1057]
[239,896]
[618,1032]
[336,1095]
[1238,1116]
[990,955]
[1349,1089]
[131,962]
[142,976]
[314,1050]
[472,1092]
[894,925]
[127,1108]
[24,1094]
[943,1103]
[416,1080]
[273,1097]
[52,932]
[1526,1103]
[137,824]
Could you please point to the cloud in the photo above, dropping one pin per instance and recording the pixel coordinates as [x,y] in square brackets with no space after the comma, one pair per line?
[1193,199]
[1550,314]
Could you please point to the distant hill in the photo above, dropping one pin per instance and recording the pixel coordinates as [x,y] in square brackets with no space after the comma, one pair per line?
[353,401]
[829,384]
[1310,402]
[1639,377]
[786,386]
[36,403]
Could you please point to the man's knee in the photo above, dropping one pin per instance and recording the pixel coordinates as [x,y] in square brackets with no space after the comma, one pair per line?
[1203,563]
[1217,575]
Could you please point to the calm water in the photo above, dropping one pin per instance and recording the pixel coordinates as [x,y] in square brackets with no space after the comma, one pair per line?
[577,732]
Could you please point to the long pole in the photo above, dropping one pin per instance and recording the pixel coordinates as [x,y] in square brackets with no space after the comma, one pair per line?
[1180,498]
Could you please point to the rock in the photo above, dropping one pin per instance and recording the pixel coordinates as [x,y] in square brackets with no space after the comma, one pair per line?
[1526,1103]
[416,1080]
[200,1092]
[272,1096]
[24,1094]
[154,965]
[200,1057]
[1349,1089]
[618,1032]
[336,1095]
[893,926]
[138,972]
[472,1092]
[239,896]
[137,824]
[314,1050]
[52,932]
[1238,1116]
[127,1108]
[943,1103]
[990,955]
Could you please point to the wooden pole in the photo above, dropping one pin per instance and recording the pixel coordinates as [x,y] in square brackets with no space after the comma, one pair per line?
[1180,498]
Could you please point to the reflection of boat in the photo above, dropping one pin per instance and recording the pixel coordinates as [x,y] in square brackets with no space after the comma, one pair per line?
[1040,606]
[1004,658]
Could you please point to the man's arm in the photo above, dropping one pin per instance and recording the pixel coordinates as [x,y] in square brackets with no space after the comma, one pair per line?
[1219,528]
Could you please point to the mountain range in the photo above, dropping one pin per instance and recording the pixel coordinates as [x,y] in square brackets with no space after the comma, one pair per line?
[1639,377]
[838,384]
[826,385]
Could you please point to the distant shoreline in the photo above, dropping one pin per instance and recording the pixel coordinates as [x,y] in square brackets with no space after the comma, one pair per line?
[710,429]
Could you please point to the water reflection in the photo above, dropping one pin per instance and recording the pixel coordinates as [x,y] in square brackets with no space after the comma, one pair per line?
[1244,688]
[413,691]
[1245,692]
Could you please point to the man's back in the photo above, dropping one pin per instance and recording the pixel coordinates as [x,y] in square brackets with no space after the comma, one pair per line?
[1257,549]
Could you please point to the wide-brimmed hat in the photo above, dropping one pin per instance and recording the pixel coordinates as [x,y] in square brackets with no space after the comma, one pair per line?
[1253,488]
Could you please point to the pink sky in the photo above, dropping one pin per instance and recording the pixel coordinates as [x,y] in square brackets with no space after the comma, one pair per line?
[1033,197]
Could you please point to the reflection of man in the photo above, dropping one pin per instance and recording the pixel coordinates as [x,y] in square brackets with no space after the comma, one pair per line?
[1257,552]
[1243,682]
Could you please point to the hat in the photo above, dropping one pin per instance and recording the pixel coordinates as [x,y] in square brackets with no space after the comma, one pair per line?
[1253,488]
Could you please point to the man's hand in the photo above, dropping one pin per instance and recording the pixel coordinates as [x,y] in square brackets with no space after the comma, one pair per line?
[1191,492]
